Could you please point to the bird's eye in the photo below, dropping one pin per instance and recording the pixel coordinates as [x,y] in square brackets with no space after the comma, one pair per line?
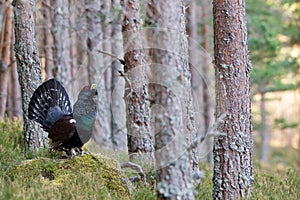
[72,121]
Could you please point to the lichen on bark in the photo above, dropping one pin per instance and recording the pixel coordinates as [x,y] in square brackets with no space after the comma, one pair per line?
[233,176]
[29,69]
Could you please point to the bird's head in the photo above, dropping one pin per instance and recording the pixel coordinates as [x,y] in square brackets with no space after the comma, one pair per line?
[88,92]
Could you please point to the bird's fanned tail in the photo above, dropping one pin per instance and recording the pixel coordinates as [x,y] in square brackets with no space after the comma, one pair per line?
[49,103]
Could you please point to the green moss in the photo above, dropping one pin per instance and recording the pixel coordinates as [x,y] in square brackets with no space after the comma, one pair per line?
[88,173]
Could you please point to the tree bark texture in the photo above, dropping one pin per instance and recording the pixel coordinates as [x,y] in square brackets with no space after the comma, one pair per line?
[208,76]
[16,93]
[5,61]
[29,69]
[46,11]
[206,69]
[196,84]
[233,176]
[16,97]
[170,93]
[96,72]
[78,36]
[140,140]
[119,131]
[62,43]
[106,46]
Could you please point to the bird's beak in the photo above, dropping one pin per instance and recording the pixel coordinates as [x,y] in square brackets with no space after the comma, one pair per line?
[93,86]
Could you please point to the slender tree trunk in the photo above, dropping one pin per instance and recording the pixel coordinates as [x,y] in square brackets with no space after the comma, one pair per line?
[96,72]
[207,74]
[46,11]
[9,104]
[196,81]
[140,141]
[106,46]
[5,59]
[208,109]
[76,28]
[62,43]
[264,133]
[79,26]
[16,90]
[29,69]
[233,176]
[171,95]
[119,132]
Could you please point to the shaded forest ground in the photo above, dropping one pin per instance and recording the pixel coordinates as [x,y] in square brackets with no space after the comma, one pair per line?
[279,179]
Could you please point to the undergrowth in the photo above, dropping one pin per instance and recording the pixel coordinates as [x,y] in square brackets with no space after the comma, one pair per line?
[279,179]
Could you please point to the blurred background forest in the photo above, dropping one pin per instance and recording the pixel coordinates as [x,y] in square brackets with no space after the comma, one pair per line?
[69,32]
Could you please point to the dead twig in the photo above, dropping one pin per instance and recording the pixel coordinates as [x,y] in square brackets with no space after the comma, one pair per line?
[136,168]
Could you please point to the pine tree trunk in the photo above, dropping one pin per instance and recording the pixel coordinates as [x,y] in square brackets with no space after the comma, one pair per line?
[78,38]
[16,92]
[140,140]
[264,133]
[119,132]
[106,46]
[208,77]
[16,97]
[233,176]
[47,39]
[29,69]
[6,61]
[9,104]
[96,72]
[171,98]
[196,82]
[62,43]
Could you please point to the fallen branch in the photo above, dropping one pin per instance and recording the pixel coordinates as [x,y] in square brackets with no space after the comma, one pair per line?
[136,168]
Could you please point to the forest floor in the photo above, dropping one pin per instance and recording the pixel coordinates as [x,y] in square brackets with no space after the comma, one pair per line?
[277,179]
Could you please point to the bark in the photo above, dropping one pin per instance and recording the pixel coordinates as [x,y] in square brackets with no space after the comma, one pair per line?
[207,74]
[208,109]
[140,141]
[16,92]
[119,132]
[233,176]
[62,43]
[196,82]
[264,133]
[5,59]
[78,38]
[74,12]
[106,46]
[96,72]
[171,98]
[9,106]
[29,69]
[3,5]
[46,11]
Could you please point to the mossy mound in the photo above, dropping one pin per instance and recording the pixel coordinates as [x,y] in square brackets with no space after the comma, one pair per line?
[92,176]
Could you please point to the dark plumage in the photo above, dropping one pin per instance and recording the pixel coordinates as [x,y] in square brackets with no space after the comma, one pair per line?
[85,110]
[50,106]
